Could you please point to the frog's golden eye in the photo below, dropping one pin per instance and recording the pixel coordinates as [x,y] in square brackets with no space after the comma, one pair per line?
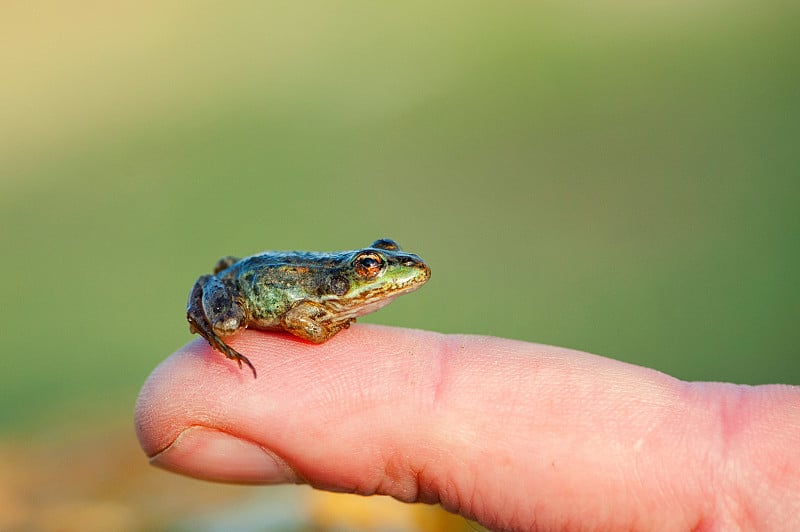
[368,265]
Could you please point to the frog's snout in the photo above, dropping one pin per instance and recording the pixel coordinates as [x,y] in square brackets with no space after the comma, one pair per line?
[412,261]
[426,271]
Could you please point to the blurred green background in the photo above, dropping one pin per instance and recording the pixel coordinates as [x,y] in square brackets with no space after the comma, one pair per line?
[616,176]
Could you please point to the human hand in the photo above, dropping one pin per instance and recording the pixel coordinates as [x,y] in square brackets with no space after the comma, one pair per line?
[517,436]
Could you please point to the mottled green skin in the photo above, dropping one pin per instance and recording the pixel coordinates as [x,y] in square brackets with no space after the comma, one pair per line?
[311,295]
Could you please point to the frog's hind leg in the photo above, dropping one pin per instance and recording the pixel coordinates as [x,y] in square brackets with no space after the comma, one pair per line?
[200,324]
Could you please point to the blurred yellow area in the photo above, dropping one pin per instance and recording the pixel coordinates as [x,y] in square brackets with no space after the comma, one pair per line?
[59,482]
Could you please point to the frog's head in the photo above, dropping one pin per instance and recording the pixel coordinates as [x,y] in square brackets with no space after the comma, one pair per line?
[372,277]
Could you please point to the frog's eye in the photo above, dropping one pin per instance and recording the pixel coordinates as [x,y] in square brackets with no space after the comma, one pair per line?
[368,265]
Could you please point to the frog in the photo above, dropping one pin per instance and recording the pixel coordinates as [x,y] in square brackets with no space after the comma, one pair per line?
[312,295]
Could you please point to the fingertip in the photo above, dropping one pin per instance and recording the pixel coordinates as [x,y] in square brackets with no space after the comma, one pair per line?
[152,418]
[197,395]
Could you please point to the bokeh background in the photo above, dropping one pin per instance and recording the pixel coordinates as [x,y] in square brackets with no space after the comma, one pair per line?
[614,176]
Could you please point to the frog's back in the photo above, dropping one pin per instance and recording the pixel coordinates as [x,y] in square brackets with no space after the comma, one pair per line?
[273,282]
[278,258]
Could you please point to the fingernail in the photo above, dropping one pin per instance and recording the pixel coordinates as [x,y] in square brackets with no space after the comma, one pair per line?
[210,454]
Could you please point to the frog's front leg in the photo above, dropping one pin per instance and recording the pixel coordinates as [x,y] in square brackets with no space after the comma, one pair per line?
[213,312]
[310,321]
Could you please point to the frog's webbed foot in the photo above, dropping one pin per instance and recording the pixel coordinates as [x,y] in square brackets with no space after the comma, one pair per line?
[310,321]
[213,312]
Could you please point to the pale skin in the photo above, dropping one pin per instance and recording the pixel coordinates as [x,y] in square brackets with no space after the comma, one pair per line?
[517,436]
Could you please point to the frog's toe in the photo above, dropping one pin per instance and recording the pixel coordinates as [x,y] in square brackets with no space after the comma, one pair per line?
[239,358]
[218,344]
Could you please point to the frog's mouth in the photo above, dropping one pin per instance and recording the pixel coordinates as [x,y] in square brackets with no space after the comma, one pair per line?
[360,309]
[374,299]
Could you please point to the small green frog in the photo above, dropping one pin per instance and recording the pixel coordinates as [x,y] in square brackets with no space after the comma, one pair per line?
[311,295]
